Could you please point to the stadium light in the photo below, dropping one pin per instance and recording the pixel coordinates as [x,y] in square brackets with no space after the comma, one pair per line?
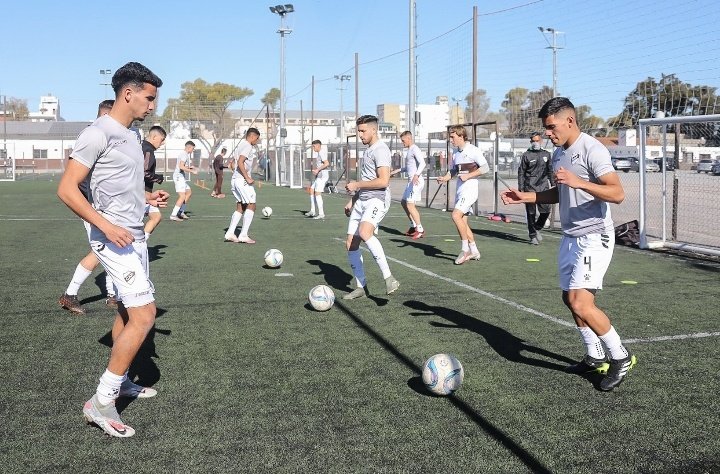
[104,73]
[341,78]
[554,48]
[282,10]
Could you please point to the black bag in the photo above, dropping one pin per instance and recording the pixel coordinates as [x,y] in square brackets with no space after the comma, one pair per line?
[628,234]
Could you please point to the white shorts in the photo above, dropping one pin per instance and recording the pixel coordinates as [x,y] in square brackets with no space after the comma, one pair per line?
[583,261]
[372,210]
[466,195]
[319,185]
[150,208]
[181,184]
[129,269]
[244,193]
[413,192]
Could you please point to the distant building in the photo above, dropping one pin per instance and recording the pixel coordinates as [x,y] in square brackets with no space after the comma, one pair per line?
[48,110]
[430,117]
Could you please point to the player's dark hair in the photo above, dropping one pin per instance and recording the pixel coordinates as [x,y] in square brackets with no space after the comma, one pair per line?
[252,130]
[363,119]
[189,143]
[224,150]
[555,105]
[316,142]
[157,129]
[406,132]
[535,134]
[135,75]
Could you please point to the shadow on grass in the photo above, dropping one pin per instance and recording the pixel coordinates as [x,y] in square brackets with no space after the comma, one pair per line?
[533,464]
[428,250]
[390,230]
[499,235]
[156,252]
[339,279]
[503,342]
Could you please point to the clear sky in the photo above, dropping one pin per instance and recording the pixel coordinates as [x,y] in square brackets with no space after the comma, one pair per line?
[60,47]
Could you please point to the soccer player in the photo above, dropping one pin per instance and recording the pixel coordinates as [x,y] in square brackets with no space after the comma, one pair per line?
[156,137]
[109,153]
[219,167]
[321,163]
[585,183]
[468,163]
[414,166]
[243,189]
[535,174]
[368,206]
[183,165]
[84,269]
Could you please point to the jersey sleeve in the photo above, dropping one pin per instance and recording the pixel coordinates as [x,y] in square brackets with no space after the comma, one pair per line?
[90,144]
[244,149]
[323,155]
[481,161]
[599,161]
[421,161]
[383,157]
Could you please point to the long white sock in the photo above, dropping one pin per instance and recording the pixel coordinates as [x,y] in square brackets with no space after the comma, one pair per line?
[465,246]
[378,254]
[109,387]
[109,285]
[614,346]
[419,227]
[247,220]
[175,211]
[356,263]
[81,274]
[312,202]
[412,223]
[593,346]
[473,248]
[320,206]
[234,221]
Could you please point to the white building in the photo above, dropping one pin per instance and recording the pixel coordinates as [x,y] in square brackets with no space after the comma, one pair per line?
[48,110]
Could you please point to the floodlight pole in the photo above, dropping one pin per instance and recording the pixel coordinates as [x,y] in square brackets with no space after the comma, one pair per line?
[282,10]
[104,73]
[554,48]
[412,73]
[341,78]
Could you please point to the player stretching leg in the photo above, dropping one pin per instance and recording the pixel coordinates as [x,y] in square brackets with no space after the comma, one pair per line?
[585,183]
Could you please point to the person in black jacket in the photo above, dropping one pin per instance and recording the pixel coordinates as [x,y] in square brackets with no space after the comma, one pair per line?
[219,167]
[535,174]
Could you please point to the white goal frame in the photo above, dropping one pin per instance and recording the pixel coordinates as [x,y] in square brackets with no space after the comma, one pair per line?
[7,169]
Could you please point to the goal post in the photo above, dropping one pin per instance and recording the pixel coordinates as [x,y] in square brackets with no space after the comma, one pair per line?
[7,167]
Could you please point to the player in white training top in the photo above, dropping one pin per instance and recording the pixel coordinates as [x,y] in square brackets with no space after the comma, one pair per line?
[585,183]
[368,206]
[110,154]
[320,164]
[415,164]
[468,163]
[181,178]
[243,189]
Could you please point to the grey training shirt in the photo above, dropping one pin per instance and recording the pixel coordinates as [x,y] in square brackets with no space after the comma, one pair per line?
[374,157]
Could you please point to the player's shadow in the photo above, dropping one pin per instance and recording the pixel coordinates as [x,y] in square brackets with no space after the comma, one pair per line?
[143,370]
[156,252]
[498,235]
[428,250]
[339,279]
[503,342]
[390,230]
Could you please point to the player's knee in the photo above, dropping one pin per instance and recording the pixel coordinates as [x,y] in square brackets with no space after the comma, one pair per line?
[579,303]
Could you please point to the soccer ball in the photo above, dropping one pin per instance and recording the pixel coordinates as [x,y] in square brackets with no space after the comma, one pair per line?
[273,258]
[267,211]
[442,374]
[321,298]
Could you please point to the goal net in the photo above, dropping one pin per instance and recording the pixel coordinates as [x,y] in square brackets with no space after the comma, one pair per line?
[7,167]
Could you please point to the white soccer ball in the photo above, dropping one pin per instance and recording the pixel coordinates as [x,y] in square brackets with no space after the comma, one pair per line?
[267,211]
[273,258]
[321,298]
[442,374]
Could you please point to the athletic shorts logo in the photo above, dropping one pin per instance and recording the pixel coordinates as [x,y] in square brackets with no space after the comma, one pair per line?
[98,246]
[587,277]
[129,277]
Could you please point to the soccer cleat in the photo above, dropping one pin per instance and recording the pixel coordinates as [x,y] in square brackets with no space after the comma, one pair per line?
[474,256]
[184,216]
[231,238]
[107,418]
[534,241]
[538,236]
[111,300]
[71,303]
[619,368]
[355,294]
[319,216]
[418,234]
[588,364]
[130,389]
[246,240]
[176,218]
[309,214]
[391,284]
[462,258]
[410,231]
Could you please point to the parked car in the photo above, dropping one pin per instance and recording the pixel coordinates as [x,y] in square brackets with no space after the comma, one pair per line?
[623,164]
[715,168]
[669,163]
[705,166]
[650,166]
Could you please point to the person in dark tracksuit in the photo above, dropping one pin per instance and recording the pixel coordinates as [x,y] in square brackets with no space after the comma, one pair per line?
[535,174]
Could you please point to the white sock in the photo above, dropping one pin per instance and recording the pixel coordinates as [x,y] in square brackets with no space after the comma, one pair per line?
[593,345]
[420,228]
[147,236]
[312,203]
[612,343]
[473,248]
[465,246]
[247,219]
[109,285]
[378,254]
[321,210]
[175,211]
[81,274]
[356,263]
[412,223]
[109,387]
[234,221]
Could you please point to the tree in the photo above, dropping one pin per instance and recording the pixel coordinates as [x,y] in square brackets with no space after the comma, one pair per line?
[586,121]
[206,106]
[270,100]
[16,109]
[514,107]
[482,104]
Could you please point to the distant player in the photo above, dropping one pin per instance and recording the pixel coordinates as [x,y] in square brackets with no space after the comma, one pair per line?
[535,174]
[218,166]
[110,154]
[368,206]
[468,163]
[585,183]
[415,164]
[84,269]
[181,177]
[155,139]
[320,165]
[243,189]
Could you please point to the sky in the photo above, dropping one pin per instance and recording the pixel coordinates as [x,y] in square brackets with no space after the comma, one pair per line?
[604,49]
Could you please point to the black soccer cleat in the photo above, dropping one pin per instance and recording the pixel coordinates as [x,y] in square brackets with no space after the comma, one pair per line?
[617,372]
[587,365]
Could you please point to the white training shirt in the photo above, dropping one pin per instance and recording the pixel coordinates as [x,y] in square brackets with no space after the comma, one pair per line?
[248,151]
[114,156]
[414,161]
[580,212]
[469,154]
[186,159]
[374,157]
[319,158]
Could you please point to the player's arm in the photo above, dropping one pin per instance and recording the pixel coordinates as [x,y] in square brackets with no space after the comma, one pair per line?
[68,192]
[241,169]
[188,168]
[382,181]
[514,196]
[608,188]
[521,171]
[157,198]
[421,164]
